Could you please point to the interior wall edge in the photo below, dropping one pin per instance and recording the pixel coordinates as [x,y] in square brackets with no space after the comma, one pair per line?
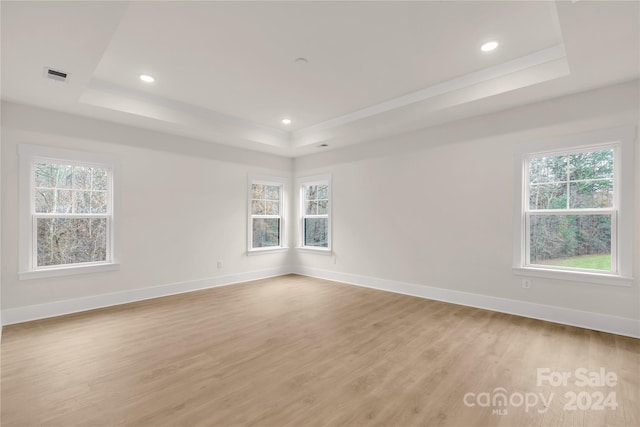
[27,118]
[29,313]
[600,108]
[560,315]
[565,316]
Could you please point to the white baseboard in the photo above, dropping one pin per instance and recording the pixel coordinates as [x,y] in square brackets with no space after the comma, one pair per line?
[59,308]
[566,316]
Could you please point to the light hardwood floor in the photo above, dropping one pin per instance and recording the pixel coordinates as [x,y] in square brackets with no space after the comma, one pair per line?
[297,351]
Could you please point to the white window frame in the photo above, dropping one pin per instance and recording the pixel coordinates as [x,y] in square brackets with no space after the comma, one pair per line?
[302,183]
[282,184]
[29,155]
[621,140]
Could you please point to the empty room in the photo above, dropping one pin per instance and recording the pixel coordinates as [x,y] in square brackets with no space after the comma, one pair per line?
[320,213]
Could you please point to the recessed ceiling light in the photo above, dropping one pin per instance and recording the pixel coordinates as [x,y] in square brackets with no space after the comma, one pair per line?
[147,78]
[286,121]
[324,145]
[489,46]
[301,60]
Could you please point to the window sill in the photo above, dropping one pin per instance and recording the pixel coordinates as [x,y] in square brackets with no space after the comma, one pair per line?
[575,276]
[68,271]
[316,250]
[263,251]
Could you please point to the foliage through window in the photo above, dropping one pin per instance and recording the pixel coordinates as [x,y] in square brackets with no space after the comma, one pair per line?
[266,215]
[315,214]
[571,211]
[66,211]
[72,214]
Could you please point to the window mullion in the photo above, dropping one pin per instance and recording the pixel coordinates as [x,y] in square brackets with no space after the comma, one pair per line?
[527,239]
[568,179]
[72,215]
[614,243]
[586,211]
[34,242]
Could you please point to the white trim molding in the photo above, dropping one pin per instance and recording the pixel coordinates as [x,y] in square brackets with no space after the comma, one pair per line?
[283,184]
[622,141]
[544,56]
[565,316]
[29,154]
[301,183]
[58,308]
[575,276]
[69,270]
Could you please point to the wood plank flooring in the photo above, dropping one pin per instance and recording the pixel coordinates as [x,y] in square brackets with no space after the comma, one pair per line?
[297,351]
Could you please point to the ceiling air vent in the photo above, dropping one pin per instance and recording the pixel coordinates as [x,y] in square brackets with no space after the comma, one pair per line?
[57,75]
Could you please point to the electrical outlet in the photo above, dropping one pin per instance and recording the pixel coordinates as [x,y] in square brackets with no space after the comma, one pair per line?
[220,263]
[526,283]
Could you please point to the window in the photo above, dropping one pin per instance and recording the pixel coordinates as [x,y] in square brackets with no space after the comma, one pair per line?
[572,206]
[315,197]
[66,212]
[266,213]
[571,212]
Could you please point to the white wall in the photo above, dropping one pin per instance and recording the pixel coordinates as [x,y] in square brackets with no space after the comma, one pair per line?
[1,230]
[435,207]
[183,206]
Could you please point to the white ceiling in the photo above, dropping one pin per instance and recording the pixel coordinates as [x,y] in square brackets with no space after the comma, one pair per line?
[226,71]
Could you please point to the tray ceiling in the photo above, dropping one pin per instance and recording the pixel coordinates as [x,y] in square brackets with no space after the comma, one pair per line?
[226,72]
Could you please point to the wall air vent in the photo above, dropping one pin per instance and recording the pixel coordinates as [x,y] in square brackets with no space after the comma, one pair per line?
[57,75]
